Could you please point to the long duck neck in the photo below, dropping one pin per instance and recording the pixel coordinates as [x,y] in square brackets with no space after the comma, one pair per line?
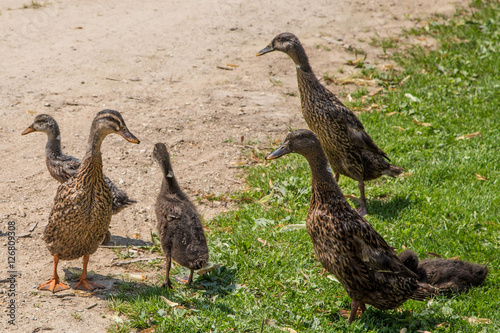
[53,145]
[169,184]
[92,161]
[323,184]
[299,57]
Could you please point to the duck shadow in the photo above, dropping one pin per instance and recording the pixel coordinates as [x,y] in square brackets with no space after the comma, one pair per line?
[375,320]
[72,275]
[388,209]
[218,282]
[126,241]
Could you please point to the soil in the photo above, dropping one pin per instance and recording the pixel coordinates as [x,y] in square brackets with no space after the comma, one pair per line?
[180,72]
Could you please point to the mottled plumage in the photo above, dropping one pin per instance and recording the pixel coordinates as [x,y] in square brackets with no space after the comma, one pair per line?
[447,275]
[62,167]
[179,227]
[345,243]
[82,207]
[350,150]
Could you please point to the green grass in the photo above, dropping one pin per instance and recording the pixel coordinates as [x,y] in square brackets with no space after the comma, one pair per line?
[442,207]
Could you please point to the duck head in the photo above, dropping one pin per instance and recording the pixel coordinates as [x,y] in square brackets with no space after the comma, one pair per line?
[111,121]
[161,155]
[301,141]
[43,123]
[284,42]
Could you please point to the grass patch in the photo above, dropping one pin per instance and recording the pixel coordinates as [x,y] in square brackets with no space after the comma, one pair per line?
[448,204]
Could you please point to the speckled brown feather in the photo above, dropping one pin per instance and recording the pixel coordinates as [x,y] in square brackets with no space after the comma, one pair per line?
[344,242]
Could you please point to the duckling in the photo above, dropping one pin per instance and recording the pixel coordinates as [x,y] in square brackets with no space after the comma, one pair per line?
[349,148]
[179,227]
[345,243]
[62,167]
[82,207]
[447,275]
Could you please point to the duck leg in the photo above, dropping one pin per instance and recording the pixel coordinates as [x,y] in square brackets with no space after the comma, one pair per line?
[54,284]
[362,200]
[84,283]
[190,280]
[355,305]
[167,283]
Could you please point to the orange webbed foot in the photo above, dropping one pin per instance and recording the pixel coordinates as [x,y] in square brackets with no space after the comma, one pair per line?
[53,285]
[85,284]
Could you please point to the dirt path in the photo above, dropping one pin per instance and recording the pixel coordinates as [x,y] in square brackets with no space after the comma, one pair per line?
[156,62]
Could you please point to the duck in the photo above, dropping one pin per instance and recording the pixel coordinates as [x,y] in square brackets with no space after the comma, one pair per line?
[82,208]
[178,222]
[62,167]
[447,275]
[345,243]
[349,148]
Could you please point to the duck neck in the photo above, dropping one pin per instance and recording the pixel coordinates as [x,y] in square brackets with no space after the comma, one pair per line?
[322,180]
[169,184]
[53,145]
[299,57]
[92,161]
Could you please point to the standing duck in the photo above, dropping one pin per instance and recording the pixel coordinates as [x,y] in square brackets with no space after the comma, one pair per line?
[345,243]
[181,233]
[447,275]
[350,150]
[82,207]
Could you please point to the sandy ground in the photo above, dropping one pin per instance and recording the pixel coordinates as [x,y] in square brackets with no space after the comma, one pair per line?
[157,63]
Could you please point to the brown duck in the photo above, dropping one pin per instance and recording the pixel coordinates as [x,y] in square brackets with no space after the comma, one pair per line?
[345,243]
[181,233]
[350,150]
[447,275]
[83,205]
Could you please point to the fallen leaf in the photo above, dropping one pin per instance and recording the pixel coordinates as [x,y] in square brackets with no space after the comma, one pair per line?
[391,113]
[344,313]
[479,177]
[333,278]
[406,174]
[231,65]
[412,98]
[82,293]
[375,91]
[149,330]
[264,242]
[136,236]
[357,61]
[404,80]
[474,320]
[271,185]
[386,67]
[169,302]
[350,196]
[421,124]
[130,276]
[31,112]
[288,329]
[468,136]
[208,269]
[443,324]
[421,331]
[398,128]
[292,227]
[305,275]
[454,258]
[434,254]
[225,68]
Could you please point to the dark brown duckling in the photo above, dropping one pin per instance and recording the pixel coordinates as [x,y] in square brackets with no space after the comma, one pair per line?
[446,275]
[62,167]
[179,227]
[345,243]
[82,207]
[350,150]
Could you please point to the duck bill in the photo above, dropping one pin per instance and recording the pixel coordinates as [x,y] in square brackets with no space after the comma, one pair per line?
[265,50]
[28,130]
[125,133]
[283,150]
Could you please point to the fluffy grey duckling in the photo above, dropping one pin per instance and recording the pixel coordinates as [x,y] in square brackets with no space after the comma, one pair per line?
[350,150]
[62,167]
[345,243]
[447,275]
[178,223]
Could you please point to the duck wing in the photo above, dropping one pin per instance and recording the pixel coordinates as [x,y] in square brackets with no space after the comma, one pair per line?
[355,130]
[375,253]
